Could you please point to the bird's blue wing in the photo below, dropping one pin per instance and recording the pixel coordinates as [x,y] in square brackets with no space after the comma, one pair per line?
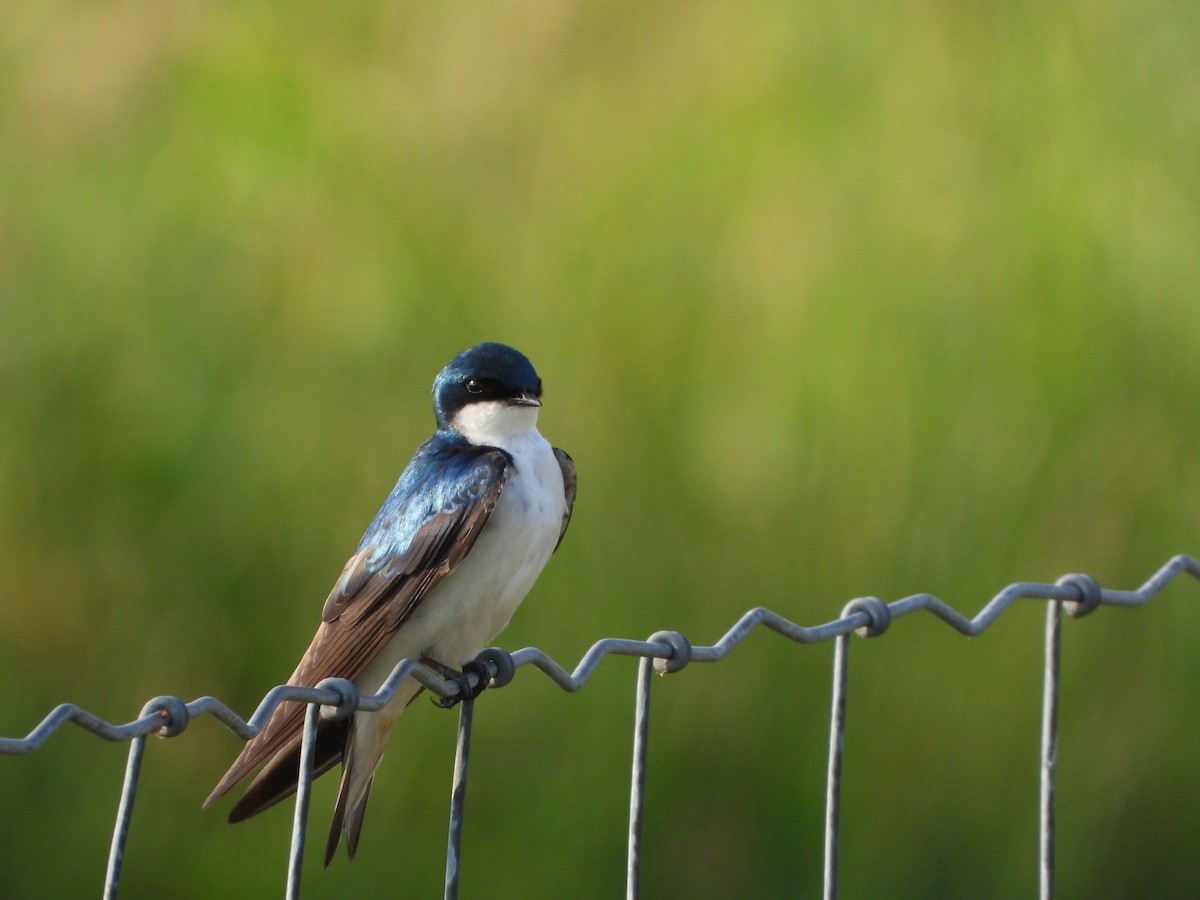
[426,526]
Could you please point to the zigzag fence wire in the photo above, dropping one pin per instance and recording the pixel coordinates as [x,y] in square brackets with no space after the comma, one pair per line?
[665,652]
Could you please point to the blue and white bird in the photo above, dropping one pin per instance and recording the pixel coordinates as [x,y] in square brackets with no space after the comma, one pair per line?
[450,555]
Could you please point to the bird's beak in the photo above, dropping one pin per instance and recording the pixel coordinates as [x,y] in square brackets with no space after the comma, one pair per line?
[525,399]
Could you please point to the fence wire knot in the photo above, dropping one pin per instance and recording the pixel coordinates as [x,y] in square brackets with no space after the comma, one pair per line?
[681,651]
[875,610]
[501,662]
[172,710]
[348,697]
[1088,590]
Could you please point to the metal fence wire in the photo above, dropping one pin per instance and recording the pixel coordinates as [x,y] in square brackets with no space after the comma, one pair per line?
[664,652]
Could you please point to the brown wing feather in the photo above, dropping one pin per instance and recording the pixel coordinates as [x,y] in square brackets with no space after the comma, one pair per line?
[362,612]
[567,465]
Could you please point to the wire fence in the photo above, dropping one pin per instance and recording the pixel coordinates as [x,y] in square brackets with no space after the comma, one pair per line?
[665,652]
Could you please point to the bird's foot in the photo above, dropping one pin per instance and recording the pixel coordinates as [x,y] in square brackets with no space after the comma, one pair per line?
[465,690]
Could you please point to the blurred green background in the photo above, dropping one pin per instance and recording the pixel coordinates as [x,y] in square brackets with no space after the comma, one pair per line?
[829,300]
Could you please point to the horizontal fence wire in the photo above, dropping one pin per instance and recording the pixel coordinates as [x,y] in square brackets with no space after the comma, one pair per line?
[664,652]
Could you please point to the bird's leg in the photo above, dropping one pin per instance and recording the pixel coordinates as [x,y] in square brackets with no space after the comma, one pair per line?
[465,690]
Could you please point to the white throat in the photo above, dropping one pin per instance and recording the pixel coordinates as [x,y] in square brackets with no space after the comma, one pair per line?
[493,423]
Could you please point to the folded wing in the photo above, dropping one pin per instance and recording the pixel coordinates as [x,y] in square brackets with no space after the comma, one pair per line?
[419,535]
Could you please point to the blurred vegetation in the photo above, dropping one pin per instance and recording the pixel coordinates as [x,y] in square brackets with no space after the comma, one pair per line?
[829,299]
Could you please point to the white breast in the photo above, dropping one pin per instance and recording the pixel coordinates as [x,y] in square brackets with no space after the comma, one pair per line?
[472,604]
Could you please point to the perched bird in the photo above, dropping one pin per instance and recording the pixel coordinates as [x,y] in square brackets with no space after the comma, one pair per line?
[450,555]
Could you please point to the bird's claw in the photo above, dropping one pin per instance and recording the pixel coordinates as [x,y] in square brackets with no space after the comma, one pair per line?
[465,689]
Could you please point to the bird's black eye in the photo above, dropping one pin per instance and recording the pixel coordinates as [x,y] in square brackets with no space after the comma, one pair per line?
[474,386]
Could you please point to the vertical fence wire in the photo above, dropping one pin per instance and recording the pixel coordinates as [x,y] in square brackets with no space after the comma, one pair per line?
[875,617]
[637,780]
[458,797]
[833,783]
[1049,748]
[116,851]
[304,780]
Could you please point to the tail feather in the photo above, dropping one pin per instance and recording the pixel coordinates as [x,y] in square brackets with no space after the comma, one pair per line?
[356,742]
[354,820]
[278,779]
[347,819]
[364,750]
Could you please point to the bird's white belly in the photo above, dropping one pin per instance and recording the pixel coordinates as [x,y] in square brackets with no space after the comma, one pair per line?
[473,603]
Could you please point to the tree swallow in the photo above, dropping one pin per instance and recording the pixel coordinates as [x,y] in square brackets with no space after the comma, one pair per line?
[454,549]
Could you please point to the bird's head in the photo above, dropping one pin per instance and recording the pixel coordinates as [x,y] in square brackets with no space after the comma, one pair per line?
[487,393]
